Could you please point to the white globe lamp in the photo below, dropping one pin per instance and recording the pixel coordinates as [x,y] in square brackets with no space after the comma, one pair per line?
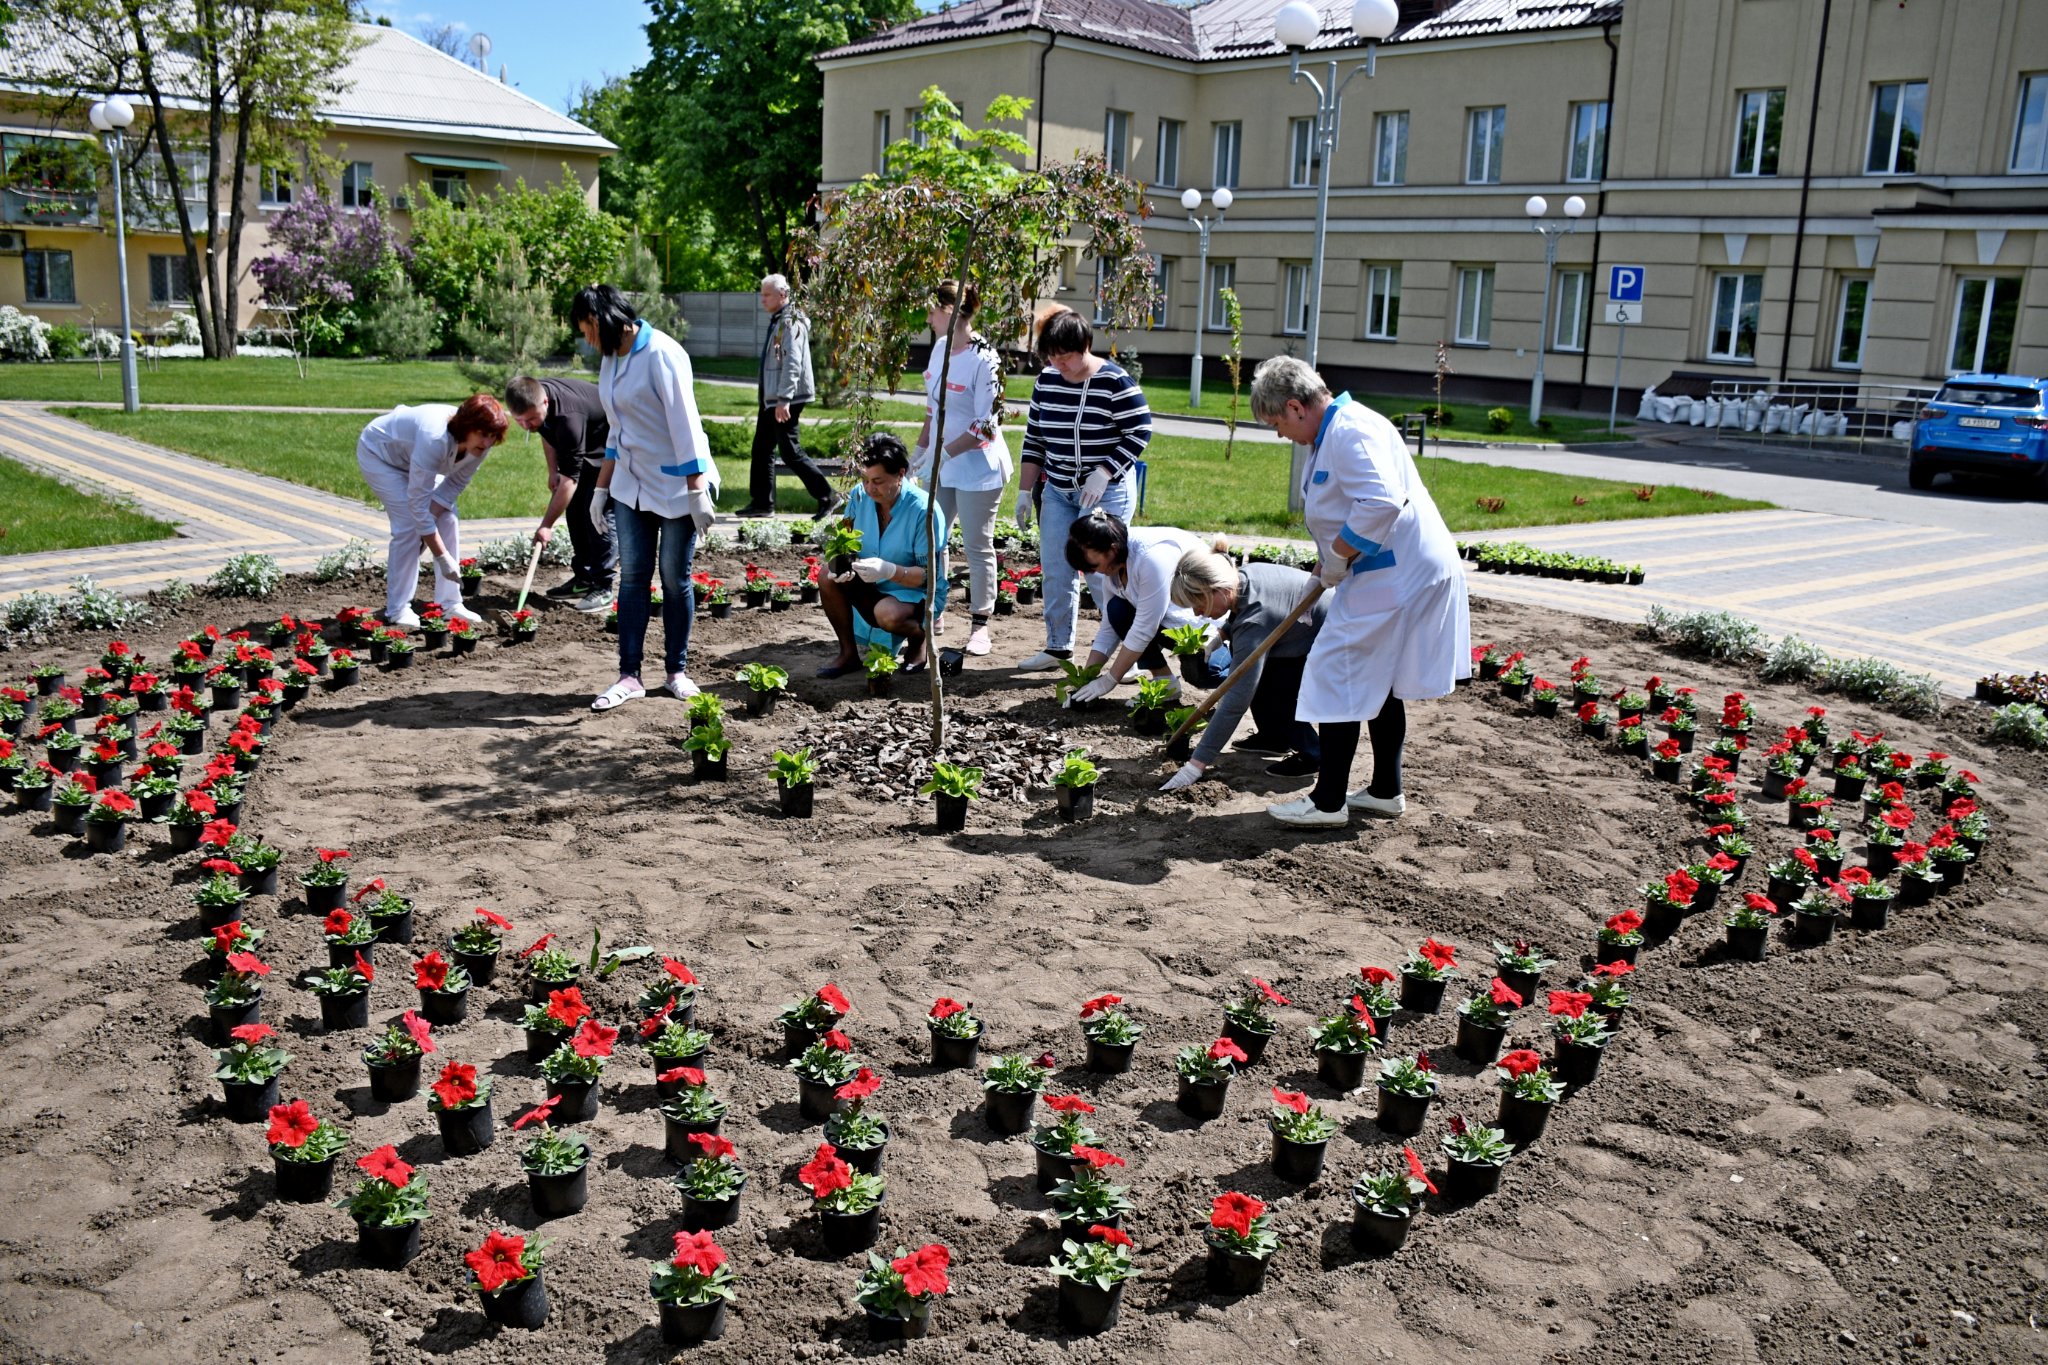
[1296,25]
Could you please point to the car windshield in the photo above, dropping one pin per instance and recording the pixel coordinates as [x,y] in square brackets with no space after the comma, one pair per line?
[1988,396]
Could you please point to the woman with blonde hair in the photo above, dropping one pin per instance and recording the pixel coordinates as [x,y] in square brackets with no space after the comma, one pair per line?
[1251,602]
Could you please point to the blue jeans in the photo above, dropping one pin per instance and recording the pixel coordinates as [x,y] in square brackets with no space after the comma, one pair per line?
[644,537]
[1058,510]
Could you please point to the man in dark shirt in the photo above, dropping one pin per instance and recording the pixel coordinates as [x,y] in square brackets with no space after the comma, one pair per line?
[570,421]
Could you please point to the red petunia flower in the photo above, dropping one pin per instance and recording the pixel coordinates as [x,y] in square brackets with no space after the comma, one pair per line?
[250,1034]
[337,923]
[530,949]
[825,1173]
[224,935]
[834,999]
[1376,976]
[430,973]
[1572,1004]
[419,1030]
[837,1041]
[1099,1005]
[566,1006]
[1441,956]
[328,855]
[1504,994]
[493,918]
[369,888]
[945,1007]
[248,964]
[1235,1213]
[594,1039]
[1520,1062]
[688,1075]
[1290,1099]
[383,1164]
[1415,1168]
[1272,995]
[215,832]
[863,1084]
[924,1271]
[291,1124]
[1097,1158]
[1614,970]
[697,1251]
[1625,923]
[683,975]
[363,968]
[457,1085]
[1068,1104]
[1225,1050]
[498,1262]
[1898,818]
[712,1145]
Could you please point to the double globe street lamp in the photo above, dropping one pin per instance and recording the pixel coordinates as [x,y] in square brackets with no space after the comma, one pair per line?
[1551,230]
[1191,199]
[112,116]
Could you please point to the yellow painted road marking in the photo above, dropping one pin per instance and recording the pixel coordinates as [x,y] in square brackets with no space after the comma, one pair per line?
[2011,645]
[1937,574]
[1893,535]
[1687,527]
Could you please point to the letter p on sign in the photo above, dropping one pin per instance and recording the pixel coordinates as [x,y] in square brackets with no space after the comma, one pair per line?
[1625,284]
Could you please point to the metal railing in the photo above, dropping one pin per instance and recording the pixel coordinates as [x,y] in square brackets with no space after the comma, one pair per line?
[1816,414]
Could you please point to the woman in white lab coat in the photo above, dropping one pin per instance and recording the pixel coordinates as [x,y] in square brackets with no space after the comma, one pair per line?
[1136,569]
[1399,629]
[417,460]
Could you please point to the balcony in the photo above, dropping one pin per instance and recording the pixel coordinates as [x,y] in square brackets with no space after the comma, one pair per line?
[49,208]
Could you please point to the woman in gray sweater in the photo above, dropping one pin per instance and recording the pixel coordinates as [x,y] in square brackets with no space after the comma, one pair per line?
[1251,602]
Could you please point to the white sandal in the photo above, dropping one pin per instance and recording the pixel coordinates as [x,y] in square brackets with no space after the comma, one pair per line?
[618,694]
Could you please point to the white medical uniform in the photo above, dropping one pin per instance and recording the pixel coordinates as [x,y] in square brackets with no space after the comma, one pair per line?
[409,461]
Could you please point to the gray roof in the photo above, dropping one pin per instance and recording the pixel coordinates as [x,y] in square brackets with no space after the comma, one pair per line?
[393,82]
[1222,30]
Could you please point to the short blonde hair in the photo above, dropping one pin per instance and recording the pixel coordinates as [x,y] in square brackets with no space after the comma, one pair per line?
[1201,572]
[1282,380]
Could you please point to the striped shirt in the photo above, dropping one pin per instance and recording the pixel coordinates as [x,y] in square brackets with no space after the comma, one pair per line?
[1074,429]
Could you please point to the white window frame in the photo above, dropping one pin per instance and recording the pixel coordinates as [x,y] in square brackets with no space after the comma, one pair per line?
[358,185]
[1744,297]
[1494,120]
[1568,325]
[1475,306]
[1382,302]
[1586,159]
[911,128]
[883,119]
[450,183]
[1390,148]
[1294,301]
[2030,127]
[1748,161]
[1851,285]
[49,253]
[1979,364]
[1222,276]
[1116,139]
[1162,284]
[1891,164]
[1105,266]
[1166,156]
[1304,156]
[174,267]
[1227,161]
[274,187]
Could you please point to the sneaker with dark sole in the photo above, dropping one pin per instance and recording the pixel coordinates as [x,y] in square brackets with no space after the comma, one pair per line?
[755,512]
[598,599]
[575,587]
[1294,765]
[1261,744]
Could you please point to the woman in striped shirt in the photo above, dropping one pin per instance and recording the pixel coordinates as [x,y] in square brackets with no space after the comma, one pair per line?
[1087,427]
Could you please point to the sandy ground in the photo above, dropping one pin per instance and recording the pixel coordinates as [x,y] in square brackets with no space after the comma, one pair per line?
[1836,1154]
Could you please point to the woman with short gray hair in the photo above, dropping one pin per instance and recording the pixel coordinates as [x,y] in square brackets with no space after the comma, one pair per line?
[1399,627]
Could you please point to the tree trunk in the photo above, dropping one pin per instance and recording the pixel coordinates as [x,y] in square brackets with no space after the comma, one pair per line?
[230,310]
[160,131]
[207,302]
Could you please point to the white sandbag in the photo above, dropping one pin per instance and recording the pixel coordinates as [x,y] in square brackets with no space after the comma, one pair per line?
[1699,412]
[1752,417]
[1646,411]
[1712,409]
[1902,431]
[1806,423]
[1774,418]
[1666,408]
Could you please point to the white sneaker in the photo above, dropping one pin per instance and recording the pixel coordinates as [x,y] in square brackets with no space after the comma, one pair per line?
[405,620]
[1042,662]
[680,687]
[978,641]
[1169,678]
[1304,812]
[460,612]
[1383,808]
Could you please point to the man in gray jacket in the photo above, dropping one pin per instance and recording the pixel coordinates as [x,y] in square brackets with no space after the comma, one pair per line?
[786,387]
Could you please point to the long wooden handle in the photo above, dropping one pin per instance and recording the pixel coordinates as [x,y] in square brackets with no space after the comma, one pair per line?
[1238,671]
[532,563]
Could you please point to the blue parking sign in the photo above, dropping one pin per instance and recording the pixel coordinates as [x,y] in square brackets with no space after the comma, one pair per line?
[1625,284]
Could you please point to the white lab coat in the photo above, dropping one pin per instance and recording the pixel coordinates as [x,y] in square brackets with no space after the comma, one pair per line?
[409,462]
[1400,625]
[1154,553]
[657,439]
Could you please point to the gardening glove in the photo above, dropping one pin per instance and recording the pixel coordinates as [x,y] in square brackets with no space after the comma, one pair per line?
[600,499]
[1190,773]
[700,508]
[873,570]
[1094,488]
[921,465]
[445,565]
[1024,509]
[1333,570]
[1100,687]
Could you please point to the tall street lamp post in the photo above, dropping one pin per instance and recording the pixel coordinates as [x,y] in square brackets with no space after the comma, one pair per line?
[1191,199]
[111,117]
[1550,231]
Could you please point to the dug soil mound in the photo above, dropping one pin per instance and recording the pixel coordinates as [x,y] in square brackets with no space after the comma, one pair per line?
[1834,1154]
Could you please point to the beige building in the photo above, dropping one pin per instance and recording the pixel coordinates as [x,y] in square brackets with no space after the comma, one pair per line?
[1863,201]
[408,120]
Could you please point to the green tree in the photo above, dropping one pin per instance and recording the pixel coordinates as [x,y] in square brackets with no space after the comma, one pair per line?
[512,327]
[638,274]
[731,103]
[404,324]
[983,160]
[564,242]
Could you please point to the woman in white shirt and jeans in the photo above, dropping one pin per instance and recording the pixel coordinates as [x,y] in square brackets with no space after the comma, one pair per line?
[977,465]
[417,460]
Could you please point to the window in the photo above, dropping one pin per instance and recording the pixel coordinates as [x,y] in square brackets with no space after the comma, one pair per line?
[1589,142]
[1382,301]
[1305,158]
[1737,300]
[1897,115]
[1759,123]
[170,280]
[273,187]
[1849,320]
[2030,138]
[1166,156]
[1568,332]
[1105,271]
[451,185]
[1116,139]
[1986,311]
[913,129]
[357,185]
[1485,129]
[1222,276]
[881,142]
[48,275]
[1229,148]
[1390,149]
[155,181]
[1294,301]
[1475,305]
[1162,284]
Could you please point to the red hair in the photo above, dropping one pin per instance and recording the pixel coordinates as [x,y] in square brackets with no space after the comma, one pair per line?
[479,412]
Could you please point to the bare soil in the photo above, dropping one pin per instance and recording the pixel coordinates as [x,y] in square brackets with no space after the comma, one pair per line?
[1834,1155]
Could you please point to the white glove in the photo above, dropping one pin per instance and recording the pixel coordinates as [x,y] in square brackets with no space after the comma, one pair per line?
[873,570]
[1333,571]
[445,565]
[921,465]
[1094,488]
[1190,773]
[1024,509]
[701,509]
[600,498]
[1100,687]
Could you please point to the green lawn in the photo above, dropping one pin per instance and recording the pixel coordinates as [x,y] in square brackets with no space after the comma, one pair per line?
[45,514]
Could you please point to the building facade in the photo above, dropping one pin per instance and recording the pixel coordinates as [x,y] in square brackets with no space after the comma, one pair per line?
[1815,190]
[407,120]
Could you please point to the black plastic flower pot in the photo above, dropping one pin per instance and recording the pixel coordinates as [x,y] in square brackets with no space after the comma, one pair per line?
[538,990]
[462,644]
[1051,1166]
[950,812]
[1870,912]
[432,640]
[1201,1100]
[1402,1114]
[1249,1041]
[912,1326]
[223,1020]
[1465,1181]
[676,1137]
[444,1008]
[339,1012]
[38,799]
[1524,984]
[709,1215]
[1748,944]
[348,677]
[183,838]
[1110,1059]
[846,1233]
[1233,1272]
[706,768]
[105,773]
[397,928]
[47,684]
[388,1248]
[1813,928]
[816,1100]
[344,954]
[1075,803]
[684,1324]
[1298,1163]
[1616,952]
[1378,1234]
[230,811]
[798,802]
[1576,1063]
[304,1182]
[1661,919]
[798,1036]
[1420,994]
[379,651]
[522,1304]
[68,819]
[558,1196]
[1544,707]
[1848,788]
[249,1103]
[213,916]
[263,883]
[1881,859]
[948,1051]
[394,1082]
[760,703]
[226,697]
[1343,1072]
[1008,1111]
[1523,1121]
[1478,1045]
[155,808]
[867,1160]
[1084,1309]
[1912,890]
[322,900]
[482,967]
[467,1131]
[106,836]
[579,1100]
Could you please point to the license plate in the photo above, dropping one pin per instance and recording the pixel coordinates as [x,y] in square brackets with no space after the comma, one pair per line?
[1984,423]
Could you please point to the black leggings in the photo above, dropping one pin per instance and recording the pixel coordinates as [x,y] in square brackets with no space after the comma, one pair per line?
[1388,731]
[1121,616]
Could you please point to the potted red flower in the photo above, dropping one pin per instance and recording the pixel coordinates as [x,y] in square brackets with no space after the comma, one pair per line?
[689,1107]
[220,897]
[955,1033]
[820,1070]
[247,1069]
[548,968]
[1664,759]
[1241,1243]
[1543,699]
[1090,1273]
[236,998]
[1301,1136]
[507,1271]
[1248,1021]
[1483,1021]
[461,1104]
[343,992]
[1086,1197]
[106,824]
[326,882]
[556,1164]
[1475,1157]
[673,1043]
[476,945]
[1383,1205]
[810,1018]
[393,1060]
[389,1206]
[389,911]
[1749,928]
[1667,902]
[1580,1036]
[1528,1092]
[857,1135]
[444,989]
[1010,1089]
[348,936]
[1111,1034]
[1053,1146]
[548,1023]
[1424,975]
[898,1294]
[1205,1075]
[574,1069]
[1377,994]
[1407,1085]
[1343,1040]
[1521,966]
[848,1202]
[303,1148]
[1610,996]
[712,1183]
[692,1289]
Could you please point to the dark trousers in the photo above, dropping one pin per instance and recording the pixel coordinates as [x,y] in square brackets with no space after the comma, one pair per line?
[1120,615]
[592,556]
[784,440]
[1272,706]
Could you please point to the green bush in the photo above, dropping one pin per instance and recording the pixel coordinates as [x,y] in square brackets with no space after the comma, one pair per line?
[66,342]
[1794,659]
[1498,420]
[2021,723]
[1716,634]
[247,575]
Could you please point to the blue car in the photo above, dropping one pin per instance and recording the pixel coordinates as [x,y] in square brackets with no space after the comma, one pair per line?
[1995,424]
